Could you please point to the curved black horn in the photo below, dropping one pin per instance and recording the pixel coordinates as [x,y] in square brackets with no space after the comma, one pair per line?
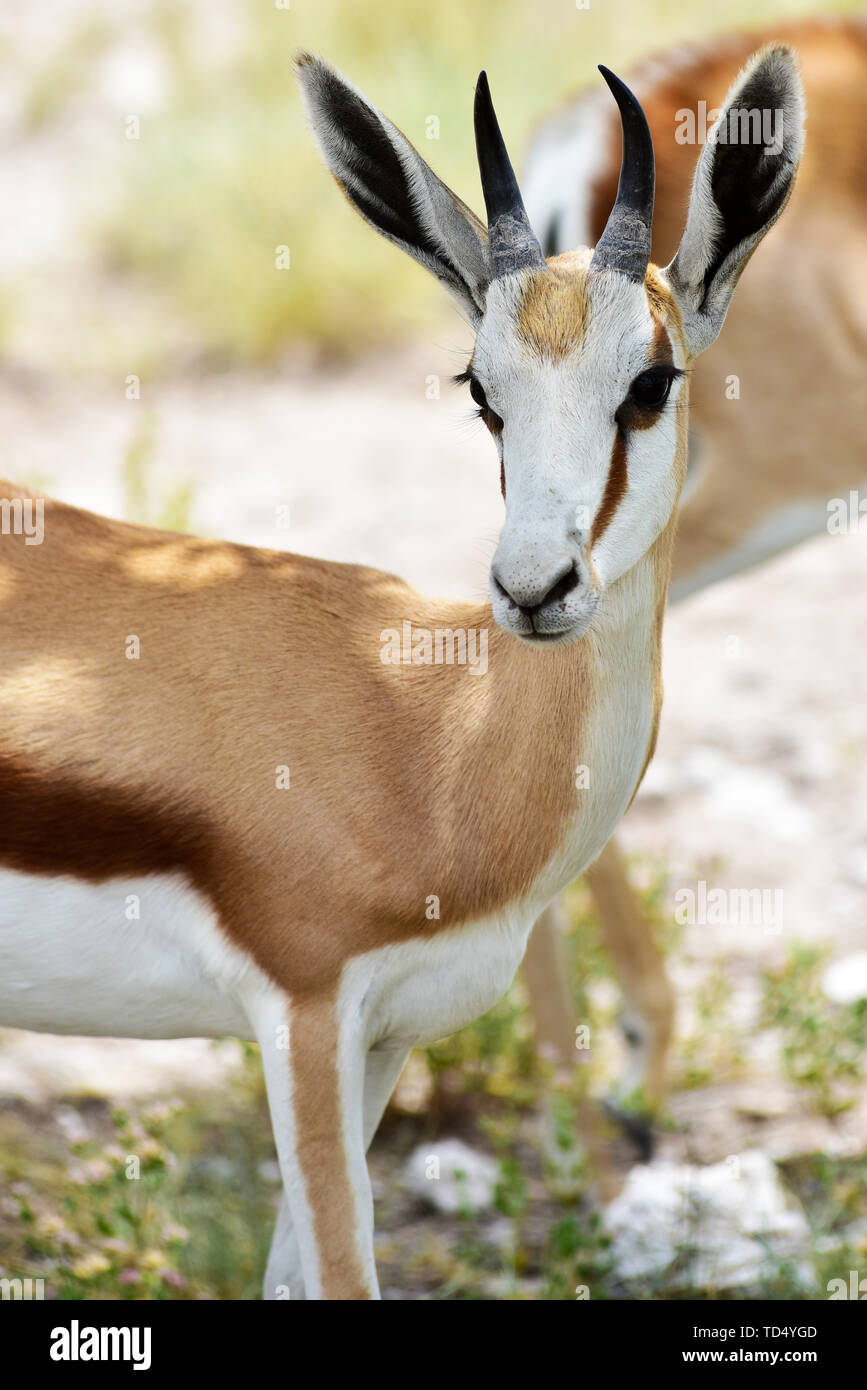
[512,242]
[625,244]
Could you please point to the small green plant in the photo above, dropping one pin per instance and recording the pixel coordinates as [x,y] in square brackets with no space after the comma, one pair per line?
[493,1056]
[712,1051]
[576,1261]
[170,512]
[823,1044]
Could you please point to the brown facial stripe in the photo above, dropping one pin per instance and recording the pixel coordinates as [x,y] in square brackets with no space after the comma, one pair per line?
[635,419]
[615,488]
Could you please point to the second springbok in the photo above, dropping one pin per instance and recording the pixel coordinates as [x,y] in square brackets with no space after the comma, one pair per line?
[762,466]
[335,854]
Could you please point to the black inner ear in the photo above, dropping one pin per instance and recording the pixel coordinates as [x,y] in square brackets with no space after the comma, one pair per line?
[384,197]
[551,237]
[745,180]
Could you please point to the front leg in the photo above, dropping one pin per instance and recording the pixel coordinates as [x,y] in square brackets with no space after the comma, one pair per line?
[314,1073]
[283,1277]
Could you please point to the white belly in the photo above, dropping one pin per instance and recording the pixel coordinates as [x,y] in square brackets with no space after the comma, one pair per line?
[74,958]
[421,990]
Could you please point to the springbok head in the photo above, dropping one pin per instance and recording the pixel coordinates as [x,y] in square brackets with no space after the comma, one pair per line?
[579,362]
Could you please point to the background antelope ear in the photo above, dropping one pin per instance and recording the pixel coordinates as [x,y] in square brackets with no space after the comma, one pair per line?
[742,183]
[393,188]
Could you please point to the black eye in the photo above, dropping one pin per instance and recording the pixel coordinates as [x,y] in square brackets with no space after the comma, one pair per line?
[651,389]
[478,394]
[490,417]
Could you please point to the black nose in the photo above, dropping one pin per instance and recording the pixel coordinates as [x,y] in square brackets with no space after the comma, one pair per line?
[529,598]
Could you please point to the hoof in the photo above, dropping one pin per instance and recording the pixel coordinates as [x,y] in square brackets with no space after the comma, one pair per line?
[637,1126]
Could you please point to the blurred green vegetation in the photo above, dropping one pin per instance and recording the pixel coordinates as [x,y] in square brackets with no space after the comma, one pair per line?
[823,1044]
[142,501]
[225,171]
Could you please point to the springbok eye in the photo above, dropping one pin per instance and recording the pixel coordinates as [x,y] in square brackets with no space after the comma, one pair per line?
[651,389]
[478,394]
[477,391]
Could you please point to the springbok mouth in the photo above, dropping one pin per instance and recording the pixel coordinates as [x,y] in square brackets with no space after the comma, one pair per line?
[551,639]
[563,636]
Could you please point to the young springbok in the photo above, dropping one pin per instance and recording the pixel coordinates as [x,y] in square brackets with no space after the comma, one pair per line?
[261,824]
[762,464]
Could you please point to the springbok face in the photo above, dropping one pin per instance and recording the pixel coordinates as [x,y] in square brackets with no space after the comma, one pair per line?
[579,362]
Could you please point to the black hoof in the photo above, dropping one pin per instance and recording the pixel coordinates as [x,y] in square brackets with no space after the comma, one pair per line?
[638,1128]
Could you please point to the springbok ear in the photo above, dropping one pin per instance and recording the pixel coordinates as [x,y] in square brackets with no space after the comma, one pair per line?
[393,188]
[742,183]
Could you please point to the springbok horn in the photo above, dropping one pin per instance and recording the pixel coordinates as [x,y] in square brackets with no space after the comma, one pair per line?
[625,244]
[512,242]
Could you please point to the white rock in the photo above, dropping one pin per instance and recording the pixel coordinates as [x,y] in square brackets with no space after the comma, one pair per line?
[855,866]
[758,799]
[661,780]
[703,767]
[726,1225]
[452,1177]
[845,980]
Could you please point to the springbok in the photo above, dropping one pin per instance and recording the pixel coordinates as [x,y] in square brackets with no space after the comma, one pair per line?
[763,465]
[226,810]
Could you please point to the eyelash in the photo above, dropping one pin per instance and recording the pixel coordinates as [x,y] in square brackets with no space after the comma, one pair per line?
[666,376]
[483,411]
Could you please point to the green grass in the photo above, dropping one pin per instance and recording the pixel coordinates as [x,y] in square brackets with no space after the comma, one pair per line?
[823,1044]
[165,1203]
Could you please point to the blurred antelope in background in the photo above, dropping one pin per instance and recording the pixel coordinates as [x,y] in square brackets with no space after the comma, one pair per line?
[339,856]
[763,467]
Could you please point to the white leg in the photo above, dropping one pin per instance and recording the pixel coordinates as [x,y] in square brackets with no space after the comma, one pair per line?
[283,1274]
[283,1277]
[314,1073]
[382,1069]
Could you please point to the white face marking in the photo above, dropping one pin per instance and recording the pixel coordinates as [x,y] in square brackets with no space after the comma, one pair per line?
[559,433]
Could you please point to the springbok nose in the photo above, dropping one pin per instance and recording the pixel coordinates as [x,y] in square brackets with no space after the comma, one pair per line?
[533,593]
